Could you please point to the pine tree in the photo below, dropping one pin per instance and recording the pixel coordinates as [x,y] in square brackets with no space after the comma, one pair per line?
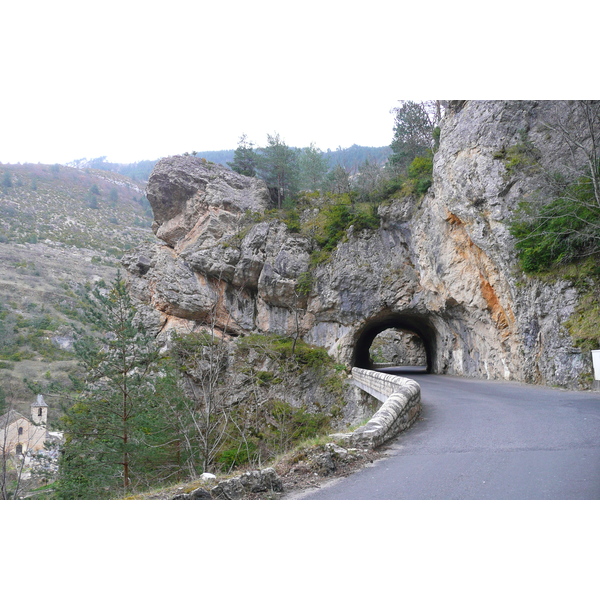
[313,168]
[244,158]
[413,133]
[117,438]
[278,166]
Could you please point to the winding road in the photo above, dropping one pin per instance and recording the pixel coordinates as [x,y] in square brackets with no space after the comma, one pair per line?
[485,440]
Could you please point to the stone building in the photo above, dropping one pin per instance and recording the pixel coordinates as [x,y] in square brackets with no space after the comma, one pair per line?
[19,434]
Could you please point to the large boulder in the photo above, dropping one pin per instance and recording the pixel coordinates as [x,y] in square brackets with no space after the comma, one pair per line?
[193,199]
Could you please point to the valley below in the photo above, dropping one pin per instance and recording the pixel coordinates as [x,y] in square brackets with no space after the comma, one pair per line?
[63,230]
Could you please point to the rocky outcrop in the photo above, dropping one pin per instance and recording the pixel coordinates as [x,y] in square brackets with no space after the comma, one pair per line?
[442,267]
[218,262]
[251,482]
[248,485]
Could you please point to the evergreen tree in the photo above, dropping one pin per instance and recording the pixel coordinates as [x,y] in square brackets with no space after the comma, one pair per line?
[413,133]
[278,166]
[313,168]
[244,158]
[117,439]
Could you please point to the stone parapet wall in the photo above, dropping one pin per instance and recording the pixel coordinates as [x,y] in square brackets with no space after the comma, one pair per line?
[401,406]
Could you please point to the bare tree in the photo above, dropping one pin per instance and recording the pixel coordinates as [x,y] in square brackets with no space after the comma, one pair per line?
[582,135]
[562,222]
[202,359]
[369,177]
[203,412]
[337,180]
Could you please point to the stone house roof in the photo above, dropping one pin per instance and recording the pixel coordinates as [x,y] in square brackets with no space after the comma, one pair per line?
[10,417]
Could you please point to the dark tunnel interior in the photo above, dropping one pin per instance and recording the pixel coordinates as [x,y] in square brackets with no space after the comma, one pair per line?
[417,324]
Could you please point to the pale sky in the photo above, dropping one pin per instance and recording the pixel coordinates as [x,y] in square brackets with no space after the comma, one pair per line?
[135,80]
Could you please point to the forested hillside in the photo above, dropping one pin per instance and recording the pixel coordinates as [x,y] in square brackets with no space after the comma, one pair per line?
[349,158]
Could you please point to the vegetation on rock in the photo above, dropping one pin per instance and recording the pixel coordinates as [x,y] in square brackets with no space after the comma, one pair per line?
[562,223]
[145,416]
[560,227]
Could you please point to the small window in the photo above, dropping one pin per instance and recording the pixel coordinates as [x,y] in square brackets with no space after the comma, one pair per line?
[20,431]
[19,449]
[40,411]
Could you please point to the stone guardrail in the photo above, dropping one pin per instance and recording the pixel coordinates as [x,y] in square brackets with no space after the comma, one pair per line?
[401,406]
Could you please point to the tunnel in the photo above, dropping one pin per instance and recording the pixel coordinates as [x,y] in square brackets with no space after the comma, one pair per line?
[417,324]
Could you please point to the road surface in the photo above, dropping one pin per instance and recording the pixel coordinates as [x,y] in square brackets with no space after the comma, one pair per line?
[485,440]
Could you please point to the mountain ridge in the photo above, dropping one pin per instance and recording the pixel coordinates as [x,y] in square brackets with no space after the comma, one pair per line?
[350,158]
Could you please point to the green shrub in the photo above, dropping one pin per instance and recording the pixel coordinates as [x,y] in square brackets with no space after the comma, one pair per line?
[420,171]
[388,189]
[291,218]
[265,378]
[560,232]
[366,218]
[291,425]
[523,156]
[415,181]
[338,217]
[304,283]
[237,453]
[285,350]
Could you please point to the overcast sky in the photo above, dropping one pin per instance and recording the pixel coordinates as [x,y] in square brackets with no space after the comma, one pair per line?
[135,80]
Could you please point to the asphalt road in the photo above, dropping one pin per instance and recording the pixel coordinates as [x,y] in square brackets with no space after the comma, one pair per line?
[486,440]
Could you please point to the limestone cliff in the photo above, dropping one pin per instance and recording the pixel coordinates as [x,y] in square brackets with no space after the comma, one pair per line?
[443,267]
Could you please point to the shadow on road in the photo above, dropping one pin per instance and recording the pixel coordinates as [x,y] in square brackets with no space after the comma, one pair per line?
[404,370]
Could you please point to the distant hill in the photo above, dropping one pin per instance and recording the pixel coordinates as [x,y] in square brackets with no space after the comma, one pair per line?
[355,156]
[61,229]
[137,171]
[350,158]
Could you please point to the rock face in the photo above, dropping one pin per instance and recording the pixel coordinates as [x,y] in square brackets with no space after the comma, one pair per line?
[442,267]
[397,347]
[218,262]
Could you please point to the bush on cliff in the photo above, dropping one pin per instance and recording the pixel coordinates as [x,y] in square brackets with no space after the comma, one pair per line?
[562,231]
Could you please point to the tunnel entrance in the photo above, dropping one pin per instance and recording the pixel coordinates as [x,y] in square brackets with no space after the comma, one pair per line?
[406,340]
